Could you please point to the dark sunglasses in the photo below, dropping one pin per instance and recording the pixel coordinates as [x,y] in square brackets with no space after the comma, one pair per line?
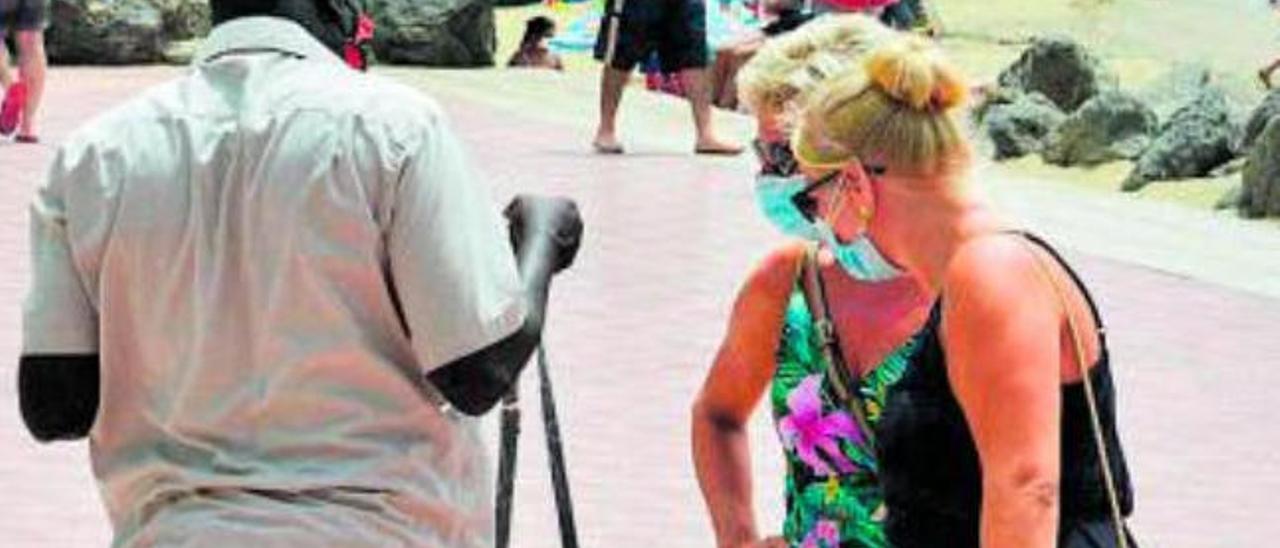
[775,158]
[804,201]
[808,205]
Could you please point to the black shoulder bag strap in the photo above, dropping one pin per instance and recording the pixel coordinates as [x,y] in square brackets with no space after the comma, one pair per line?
[841,378]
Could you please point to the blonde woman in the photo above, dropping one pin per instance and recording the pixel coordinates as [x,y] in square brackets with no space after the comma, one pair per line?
[773,341]
[1001,432]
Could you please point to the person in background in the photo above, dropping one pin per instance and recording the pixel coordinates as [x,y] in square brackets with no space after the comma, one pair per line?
[783,16]
[773,343]
[911,15]
[21,103]
[6,73]
[1001,432]
[632,30]
[534,51]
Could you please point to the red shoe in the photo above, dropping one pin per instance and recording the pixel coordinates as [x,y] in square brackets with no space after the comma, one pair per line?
[11,110]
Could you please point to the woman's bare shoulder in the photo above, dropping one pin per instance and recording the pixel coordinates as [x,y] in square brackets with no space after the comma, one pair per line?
[775,274]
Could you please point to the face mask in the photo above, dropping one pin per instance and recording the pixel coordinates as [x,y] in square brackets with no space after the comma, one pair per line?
[773,195]
[861,259]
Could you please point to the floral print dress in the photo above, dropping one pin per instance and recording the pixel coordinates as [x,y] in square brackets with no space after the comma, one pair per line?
[832,489]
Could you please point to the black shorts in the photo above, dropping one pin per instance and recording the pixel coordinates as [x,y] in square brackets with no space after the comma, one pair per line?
[21,15]
[676,29]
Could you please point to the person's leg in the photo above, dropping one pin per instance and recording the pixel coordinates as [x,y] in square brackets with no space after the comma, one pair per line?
[697,87]
[695,80]
[620,45]
[33,65]
[6,75]
[683,47]
[726,96]
[13,95]
[612,83]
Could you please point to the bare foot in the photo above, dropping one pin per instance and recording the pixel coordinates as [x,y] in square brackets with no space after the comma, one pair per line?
[606,144]
[716,146]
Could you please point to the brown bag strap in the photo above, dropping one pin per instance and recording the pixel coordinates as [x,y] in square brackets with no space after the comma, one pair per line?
[1109,483]
[837,370]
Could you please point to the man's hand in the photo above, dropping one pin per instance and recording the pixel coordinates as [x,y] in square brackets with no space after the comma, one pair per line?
[545,233]
[544,220]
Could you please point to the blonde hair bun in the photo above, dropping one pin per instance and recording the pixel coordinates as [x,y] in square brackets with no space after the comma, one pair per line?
[914,72]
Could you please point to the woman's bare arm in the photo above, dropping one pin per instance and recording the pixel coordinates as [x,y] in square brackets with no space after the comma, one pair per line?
[742,370]
[1001,329]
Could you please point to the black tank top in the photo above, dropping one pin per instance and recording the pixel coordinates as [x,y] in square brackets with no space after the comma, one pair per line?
[929,464]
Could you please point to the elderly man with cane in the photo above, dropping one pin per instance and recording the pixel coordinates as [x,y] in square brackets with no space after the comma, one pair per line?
[273,293]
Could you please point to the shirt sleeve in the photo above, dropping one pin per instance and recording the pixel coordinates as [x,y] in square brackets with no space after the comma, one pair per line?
[59,317]
[451,264]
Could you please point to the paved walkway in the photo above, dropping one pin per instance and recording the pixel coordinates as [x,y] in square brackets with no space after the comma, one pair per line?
[1191,300]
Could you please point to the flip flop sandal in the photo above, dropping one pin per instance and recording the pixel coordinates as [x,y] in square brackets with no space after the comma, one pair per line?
[717,151]
[11,110]
[27,139]
[606,149]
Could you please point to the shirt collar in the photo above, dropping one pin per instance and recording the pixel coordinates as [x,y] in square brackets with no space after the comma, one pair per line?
[263,33]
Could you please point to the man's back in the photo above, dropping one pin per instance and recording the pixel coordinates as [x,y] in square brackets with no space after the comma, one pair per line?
[259,241]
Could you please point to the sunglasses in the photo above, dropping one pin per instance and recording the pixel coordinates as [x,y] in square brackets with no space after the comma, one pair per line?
[775,157]
[804,201]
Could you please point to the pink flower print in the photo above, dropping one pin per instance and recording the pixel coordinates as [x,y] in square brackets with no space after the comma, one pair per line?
[825,533]
[806,430]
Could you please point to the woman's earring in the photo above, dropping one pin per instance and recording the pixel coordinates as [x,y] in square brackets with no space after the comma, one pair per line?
[864,213]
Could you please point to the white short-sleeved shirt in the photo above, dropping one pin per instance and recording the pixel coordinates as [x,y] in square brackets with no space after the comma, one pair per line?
[268,255]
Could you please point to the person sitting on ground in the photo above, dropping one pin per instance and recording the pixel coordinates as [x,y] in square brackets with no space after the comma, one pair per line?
[26,18]
[784,16]
[911,15]
[533,51]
